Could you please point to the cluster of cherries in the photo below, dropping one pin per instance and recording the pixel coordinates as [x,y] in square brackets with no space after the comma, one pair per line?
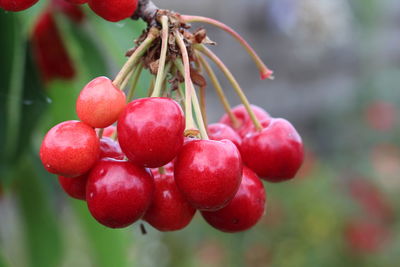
[152,171]
[153,165]
[111,10]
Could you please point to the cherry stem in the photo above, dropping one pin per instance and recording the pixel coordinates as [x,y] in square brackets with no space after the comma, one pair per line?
[126,81]
[161,170]
[191,129]
[233,81]
[133,59]
[151,87]
[202,92]
[265,72]
[219,90]
[100,133]
[197,110]
[163,56]
[136,76]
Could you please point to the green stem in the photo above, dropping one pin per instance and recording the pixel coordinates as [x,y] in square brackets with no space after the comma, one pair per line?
[133,59]
[234,83]
[136,77]
[219,90]
[197,110]
[265,72]
[15,96]
[191,129]
[163,56]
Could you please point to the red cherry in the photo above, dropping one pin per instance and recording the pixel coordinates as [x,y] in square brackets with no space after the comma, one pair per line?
[74,187]
[109,131]
[220,131]
[167,169]
[70,149]
[208,173]
[16,5]
[100,103]
[150,131]
[49,50]
[169,210]
[110,149]
[114,10]
[245,209]
[70,9]
[275,153]
[245,123]
[118,193]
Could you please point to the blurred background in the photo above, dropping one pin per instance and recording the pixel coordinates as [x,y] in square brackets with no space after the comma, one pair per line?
[337,76]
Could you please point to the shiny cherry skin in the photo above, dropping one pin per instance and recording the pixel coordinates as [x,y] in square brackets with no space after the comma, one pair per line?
[220,131]
[208,173]
[245,209]
[110,149]
[150,131]
[113,10]
[245,122]
[118,193]
[70,149]
[274,153]
[109,131]
[75,187]
[16,5]
[100,103]
[169,210]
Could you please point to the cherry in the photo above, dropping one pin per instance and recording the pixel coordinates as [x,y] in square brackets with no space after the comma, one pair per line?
[169,210]
[118,193]
[100,103]
[110,149]
[70,9]
[220,131]
[150,131]
[49,50]
[69,149]
[74,187]
[208,173]
[113,10]
[245,209]
[245,123]
[16,5]
[275,153]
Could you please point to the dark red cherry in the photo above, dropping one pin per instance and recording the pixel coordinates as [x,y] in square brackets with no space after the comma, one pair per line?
[245,209]
[245,123]
[220,131]
[208,173]
[70,149]
[76,2]
[275,153]
[75,187]
[16,5]
[118,193]
[150,131]
[169,210]
[113,10]
[110,149]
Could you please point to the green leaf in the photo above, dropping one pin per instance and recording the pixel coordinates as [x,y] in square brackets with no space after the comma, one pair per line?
[43,237]
[109,246]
